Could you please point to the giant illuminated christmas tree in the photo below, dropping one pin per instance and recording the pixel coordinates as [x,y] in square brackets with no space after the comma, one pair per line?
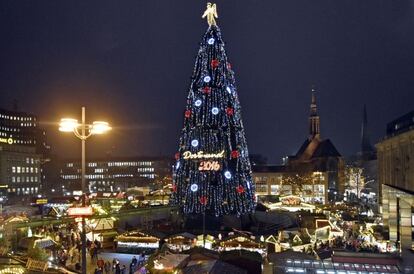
[212,173]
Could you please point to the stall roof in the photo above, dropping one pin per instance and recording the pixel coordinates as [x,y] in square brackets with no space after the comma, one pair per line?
[170,260]
[109,233]
[184,234]
[143,233]
[212,267]
[281,257]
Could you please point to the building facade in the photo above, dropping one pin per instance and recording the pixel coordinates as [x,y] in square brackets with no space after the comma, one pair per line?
[22,128]
[114,174]
[396,177]
[23,151]
[275,180]
[20,170]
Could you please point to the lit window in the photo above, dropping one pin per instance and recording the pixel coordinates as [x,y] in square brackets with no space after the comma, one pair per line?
[13,169]
[18,169]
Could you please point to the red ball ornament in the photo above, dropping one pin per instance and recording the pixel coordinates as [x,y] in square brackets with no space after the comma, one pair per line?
[229,111]
[187,113]
[240,189]
[177,156]
[174,188]
[203,200]
[234,154]
[214,63]
[206,90]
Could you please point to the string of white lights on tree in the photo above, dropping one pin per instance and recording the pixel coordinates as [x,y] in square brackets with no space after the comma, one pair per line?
[212,173]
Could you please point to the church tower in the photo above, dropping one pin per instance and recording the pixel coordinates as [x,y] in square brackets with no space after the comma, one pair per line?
[314,123]
[367,150]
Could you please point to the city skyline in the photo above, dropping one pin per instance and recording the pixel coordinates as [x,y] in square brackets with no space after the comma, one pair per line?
[109,66]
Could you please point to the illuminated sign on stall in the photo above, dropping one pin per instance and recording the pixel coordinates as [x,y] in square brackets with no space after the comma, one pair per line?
[139,245]
[41,201]
[80,211]
[9,141]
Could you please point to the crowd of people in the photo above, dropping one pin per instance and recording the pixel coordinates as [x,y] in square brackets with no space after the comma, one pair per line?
[355,244]
[106,267]
[70,252]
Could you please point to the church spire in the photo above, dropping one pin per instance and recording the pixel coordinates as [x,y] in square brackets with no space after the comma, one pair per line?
[366,147]
[314,124]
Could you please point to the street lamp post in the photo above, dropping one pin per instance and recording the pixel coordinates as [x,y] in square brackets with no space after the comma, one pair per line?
[83,131]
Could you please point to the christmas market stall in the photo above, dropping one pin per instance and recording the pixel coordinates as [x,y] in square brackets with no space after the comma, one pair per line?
[207,242]
[11,266]
[273,244]
[37,242]
[326,230]
[55,207]
[107,202]
[296,240]
[239,241]
[102,229]
[138,242]
[168,262]
[107,238]
[180,242]
[10,231]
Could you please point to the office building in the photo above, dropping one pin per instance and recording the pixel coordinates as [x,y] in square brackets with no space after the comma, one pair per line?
[23,150]
[395,155]
[19,170]
[113,174]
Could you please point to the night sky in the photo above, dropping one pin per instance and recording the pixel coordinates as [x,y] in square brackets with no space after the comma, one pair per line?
[130,62]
